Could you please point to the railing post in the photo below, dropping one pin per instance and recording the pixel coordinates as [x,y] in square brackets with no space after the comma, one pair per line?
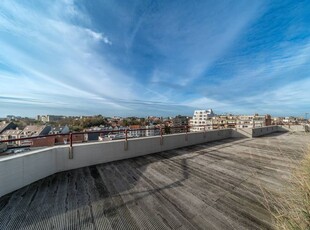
[71,147]
[186,128]
[204,131]
[126,140]
[161,136]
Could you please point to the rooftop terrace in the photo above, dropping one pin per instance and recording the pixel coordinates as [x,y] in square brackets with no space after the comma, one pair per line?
[207,186]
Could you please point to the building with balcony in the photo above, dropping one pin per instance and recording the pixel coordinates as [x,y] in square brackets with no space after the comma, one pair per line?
[253,121]
[224,121]
[135,131]
[202,119]
[152,130]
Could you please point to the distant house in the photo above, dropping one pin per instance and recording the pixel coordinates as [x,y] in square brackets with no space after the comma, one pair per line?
[253,121]
[181,122]
[11,134]
[152,130]
[60,130]
[134,131]
[36,130]
[5,126]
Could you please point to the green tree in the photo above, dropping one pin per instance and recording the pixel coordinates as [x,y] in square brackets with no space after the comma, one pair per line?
[167,129]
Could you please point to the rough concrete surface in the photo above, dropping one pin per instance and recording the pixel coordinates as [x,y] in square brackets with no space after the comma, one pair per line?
[215,185]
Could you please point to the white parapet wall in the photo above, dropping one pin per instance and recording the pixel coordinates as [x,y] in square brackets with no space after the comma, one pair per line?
[17,171]
[3,147]
[293,128]
[257,132]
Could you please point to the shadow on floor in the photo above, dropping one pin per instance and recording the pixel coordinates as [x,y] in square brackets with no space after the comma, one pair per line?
[107,191]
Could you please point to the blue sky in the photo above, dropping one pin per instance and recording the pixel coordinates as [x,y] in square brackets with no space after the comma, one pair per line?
[139,58]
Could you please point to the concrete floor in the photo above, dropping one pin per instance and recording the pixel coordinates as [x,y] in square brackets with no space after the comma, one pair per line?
[216,185]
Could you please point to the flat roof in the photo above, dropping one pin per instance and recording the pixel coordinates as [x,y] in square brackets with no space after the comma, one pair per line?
[215,185]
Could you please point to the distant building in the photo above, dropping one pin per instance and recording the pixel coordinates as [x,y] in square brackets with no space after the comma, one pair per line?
[36,130]
[253,121]
[60,130]
[223,121]
[179,121]
[135,131]
[259,121]
[268,120]
[50,118]
[33,131]
[11,134]
[202,119]
[151,130]
[6,125]
[277,121]
[290,120]
[207,120]
[10,117]
[245,121]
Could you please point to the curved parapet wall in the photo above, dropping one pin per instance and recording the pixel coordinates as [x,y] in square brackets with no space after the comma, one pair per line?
[17,171]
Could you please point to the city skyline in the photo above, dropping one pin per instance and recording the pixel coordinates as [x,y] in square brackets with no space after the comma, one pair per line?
[154,58]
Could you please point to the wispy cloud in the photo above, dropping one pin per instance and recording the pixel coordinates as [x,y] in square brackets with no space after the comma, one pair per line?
[53,57]
[189,52]
[280,69]
[98,36]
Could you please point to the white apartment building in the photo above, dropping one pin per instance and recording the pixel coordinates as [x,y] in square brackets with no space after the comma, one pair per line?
[151,131]
[136,131]
[202,119]
[49,118]
[252,121]
[245,121]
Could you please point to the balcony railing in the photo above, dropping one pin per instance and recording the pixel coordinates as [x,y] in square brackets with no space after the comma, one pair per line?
[104,135]
[89,136]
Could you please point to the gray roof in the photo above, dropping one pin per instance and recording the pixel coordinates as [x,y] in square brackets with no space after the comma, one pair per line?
[58,128]
[11,132]
[4,125]
[33,130]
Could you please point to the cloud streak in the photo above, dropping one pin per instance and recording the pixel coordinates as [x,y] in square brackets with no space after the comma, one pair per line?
[58,58]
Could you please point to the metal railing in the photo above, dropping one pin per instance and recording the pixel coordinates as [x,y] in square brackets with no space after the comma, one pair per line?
[70,138]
